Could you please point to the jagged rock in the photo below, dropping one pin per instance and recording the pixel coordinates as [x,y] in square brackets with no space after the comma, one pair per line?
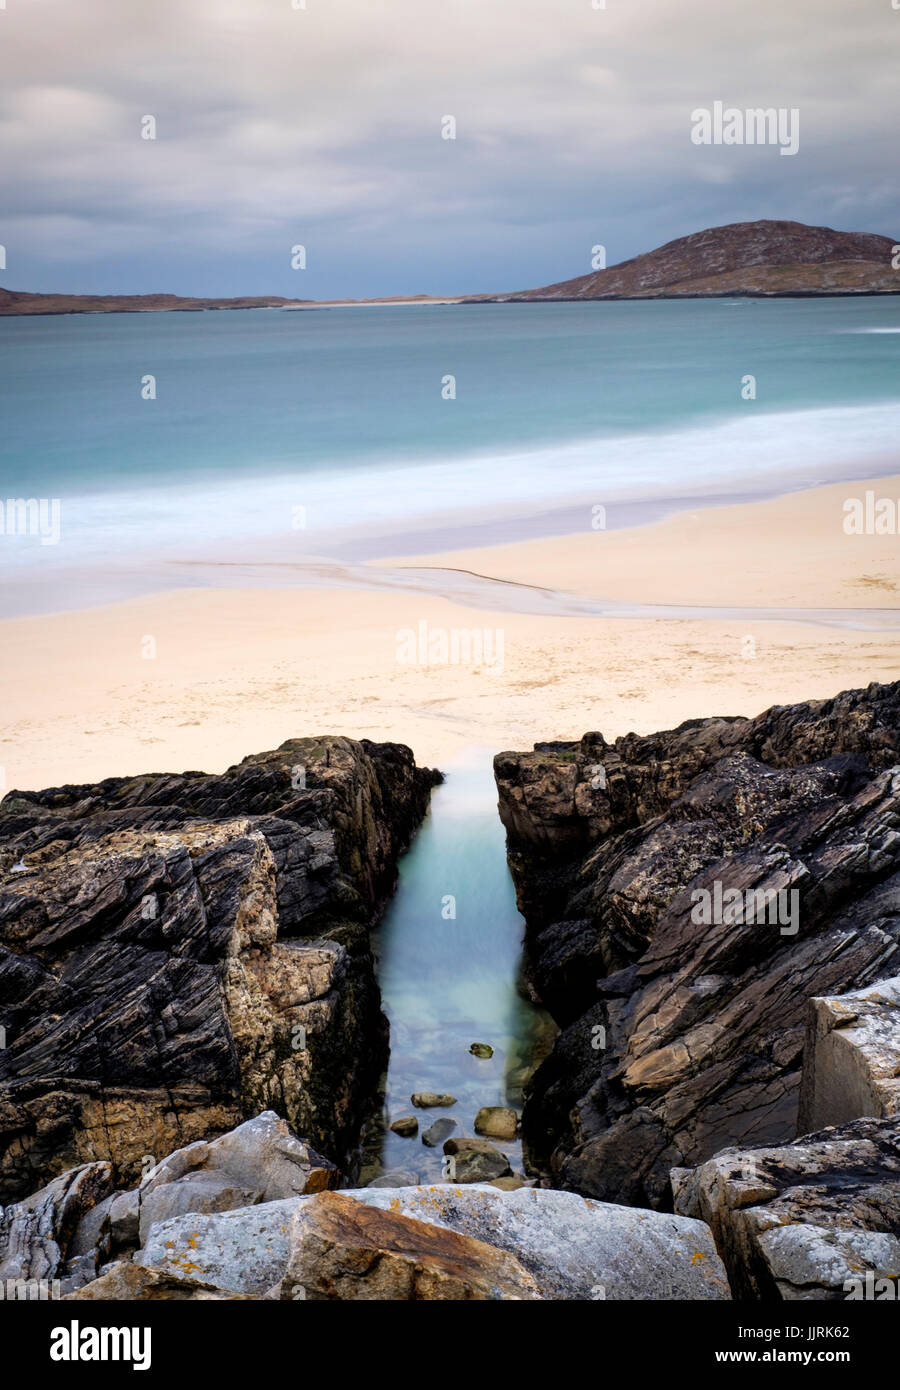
[805,1220]
[429,1100]
[407,1126]
[184,951]
[680,1036]
[344,1249]
[851,1060]
[573,1248]
[124,1280]
[69,1229]
[475,1160]
[497,1122]
[36,1234]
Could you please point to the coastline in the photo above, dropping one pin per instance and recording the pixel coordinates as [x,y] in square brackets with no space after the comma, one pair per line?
[241,669]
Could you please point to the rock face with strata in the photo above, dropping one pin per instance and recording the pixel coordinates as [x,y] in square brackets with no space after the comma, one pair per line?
[681,1036]
[808,1220]
[178,953]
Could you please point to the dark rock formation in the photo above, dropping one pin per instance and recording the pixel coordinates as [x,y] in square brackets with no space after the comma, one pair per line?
[680,1035]
[181,952]
[743,258]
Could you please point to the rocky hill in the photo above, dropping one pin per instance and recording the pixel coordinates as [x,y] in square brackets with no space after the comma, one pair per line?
[743,258]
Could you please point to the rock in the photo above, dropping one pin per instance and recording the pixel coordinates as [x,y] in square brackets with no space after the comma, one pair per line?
[127,1281]
[196,1192]
[803,1220]
[851,1060]
[497,1122]
[428,1100]
[436,1133]
[406,1127]
[575,1248]
[680,1036]
[342,1249]
[185,951]
[481,1050]
[36,1234]
[124,1220]
[243,1251]
[510,1184]
[475,1160]
[395,1177]
[260,1161]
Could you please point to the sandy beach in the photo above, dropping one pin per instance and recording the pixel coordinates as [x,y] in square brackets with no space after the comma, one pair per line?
[200,678]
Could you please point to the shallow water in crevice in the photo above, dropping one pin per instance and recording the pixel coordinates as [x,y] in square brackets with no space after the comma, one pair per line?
[449,956]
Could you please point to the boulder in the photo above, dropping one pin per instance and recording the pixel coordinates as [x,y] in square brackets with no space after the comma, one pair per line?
[243,1251]
[808,1220]
[572,1247]
[183,951]
[260,1161]
[428,1100]
[343,1249]
[851,1060]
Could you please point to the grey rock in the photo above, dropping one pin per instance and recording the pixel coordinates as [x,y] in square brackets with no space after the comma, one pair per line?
[436,1133]
[244,1251]
[799,1221]
[574,1247]
[851,1060]
[35,1234]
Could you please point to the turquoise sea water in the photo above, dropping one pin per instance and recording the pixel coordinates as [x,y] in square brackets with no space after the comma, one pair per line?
[448,954]
[297,436]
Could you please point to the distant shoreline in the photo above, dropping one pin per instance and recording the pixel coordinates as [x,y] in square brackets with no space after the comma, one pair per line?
[292,306]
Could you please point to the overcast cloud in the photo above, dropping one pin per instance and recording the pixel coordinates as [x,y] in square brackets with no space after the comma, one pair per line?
[322,126]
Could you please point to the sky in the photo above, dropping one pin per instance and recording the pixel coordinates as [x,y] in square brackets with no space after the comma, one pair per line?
[322,127]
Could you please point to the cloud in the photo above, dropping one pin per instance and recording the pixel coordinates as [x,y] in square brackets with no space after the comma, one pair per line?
[323,125]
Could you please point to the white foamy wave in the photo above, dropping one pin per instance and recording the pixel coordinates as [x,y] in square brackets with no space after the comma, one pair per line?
[284,517]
